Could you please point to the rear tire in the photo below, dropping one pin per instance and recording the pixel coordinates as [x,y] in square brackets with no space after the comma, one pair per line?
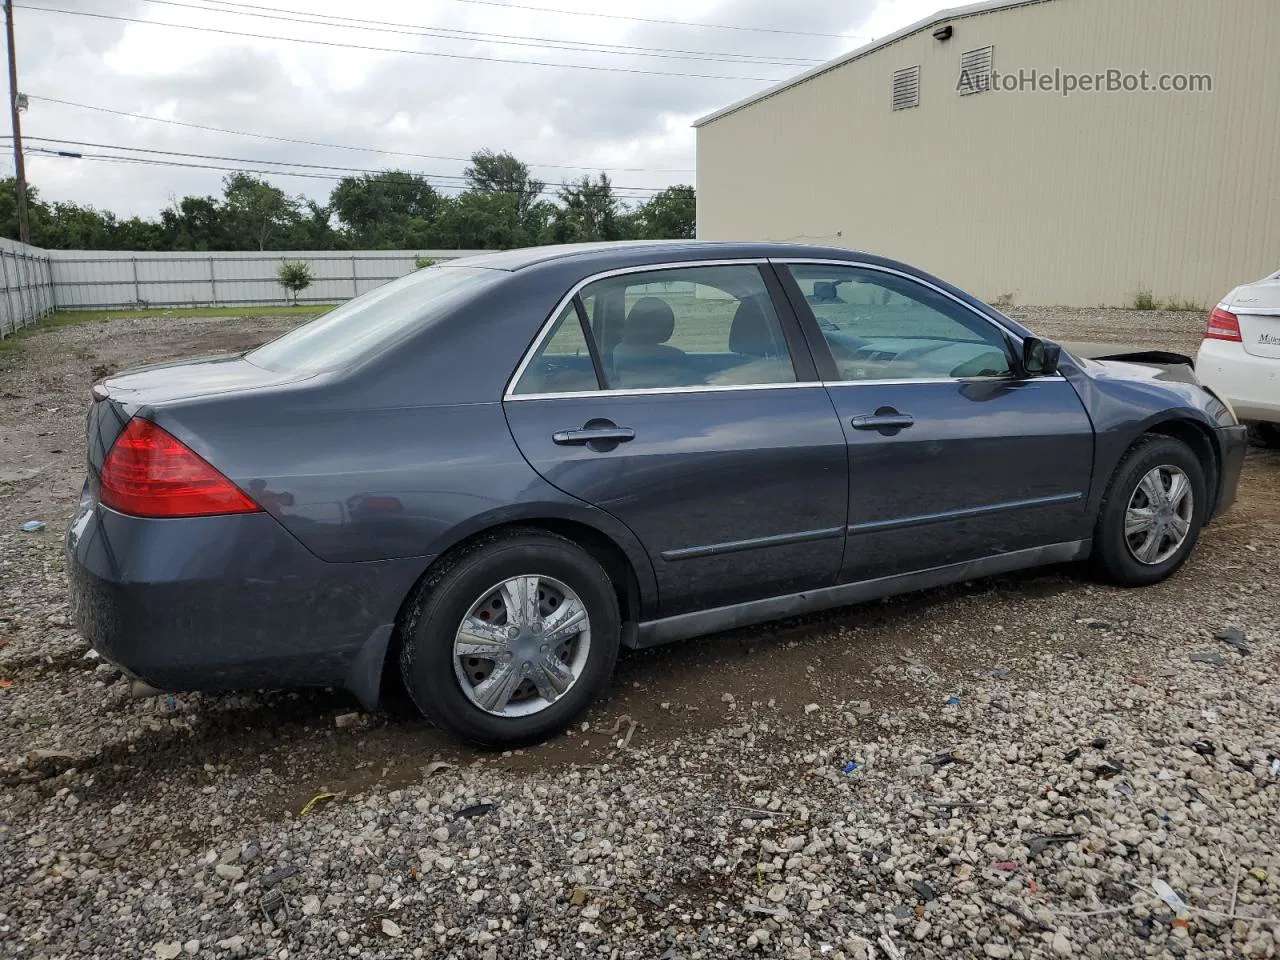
[1265,434]
[473,661]
[1142,536]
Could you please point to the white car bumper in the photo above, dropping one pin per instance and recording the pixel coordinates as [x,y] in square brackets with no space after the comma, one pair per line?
[1250,384]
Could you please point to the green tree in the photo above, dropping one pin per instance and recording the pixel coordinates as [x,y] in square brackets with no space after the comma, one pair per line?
[38,212]
[588,211]
[197,223]
[491,172]
[314,229]
[392,210]
[294,276]
[480,221]
[668,215]
[261,213]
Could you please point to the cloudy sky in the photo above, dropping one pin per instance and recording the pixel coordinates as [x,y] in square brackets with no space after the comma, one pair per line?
[452,76]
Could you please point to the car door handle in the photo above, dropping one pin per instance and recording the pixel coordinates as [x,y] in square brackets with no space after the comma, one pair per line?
[883,421]
[569,438]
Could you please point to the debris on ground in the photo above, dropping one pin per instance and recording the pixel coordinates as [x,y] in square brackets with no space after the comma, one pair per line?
[1166,893]
[317,800]
[349,721]
[1038,845]
[32,526]
[1212,659]
[1234,637]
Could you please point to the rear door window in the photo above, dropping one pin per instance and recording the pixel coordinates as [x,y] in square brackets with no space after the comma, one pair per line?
[688,327]
[562,362]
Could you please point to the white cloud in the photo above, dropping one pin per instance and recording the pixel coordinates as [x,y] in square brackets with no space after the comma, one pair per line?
[433,105]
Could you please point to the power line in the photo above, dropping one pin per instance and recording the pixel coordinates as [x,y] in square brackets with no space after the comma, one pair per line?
[281,163]
[670,23]
[416,53]
[338,146]
[448,33]
[43,151]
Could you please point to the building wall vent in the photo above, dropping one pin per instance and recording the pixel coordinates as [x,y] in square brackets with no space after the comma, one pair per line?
[906,88]
[975,71]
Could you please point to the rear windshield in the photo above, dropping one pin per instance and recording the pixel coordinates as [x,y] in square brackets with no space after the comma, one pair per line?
[360,326]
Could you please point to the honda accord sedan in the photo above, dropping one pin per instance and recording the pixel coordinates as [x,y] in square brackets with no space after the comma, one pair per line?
[477,483]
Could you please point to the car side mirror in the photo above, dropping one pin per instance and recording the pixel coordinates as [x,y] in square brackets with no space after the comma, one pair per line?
[1040,358]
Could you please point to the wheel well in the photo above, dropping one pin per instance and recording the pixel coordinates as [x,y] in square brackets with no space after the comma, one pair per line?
[1201,443]
[602,549]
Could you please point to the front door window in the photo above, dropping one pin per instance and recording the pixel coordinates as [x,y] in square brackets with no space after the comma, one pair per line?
[881,326]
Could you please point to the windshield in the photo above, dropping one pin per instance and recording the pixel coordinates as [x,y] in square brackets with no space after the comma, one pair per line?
[361,325]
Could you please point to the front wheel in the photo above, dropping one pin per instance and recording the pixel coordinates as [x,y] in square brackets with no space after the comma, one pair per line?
[511,638]
[1152,513]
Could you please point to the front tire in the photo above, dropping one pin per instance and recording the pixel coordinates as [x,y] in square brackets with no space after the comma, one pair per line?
[1152,513]
[511,638]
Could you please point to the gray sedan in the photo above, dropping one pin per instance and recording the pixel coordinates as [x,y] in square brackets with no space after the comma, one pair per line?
[481,481]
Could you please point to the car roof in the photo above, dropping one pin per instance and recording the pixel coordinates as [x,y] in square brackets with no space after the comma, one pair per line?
[626,251]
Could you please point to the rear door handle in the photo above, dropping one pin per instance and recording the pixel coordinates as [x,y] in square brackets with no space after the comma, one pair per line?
[569,438]
[883,421]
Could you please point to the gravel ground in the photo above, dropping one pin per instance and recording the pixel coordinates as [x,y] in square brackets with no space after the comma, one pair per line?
[1017,767]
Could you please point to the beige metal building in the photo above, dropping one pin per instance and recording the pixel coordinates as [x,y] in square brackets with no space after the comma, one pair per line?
[1079,200]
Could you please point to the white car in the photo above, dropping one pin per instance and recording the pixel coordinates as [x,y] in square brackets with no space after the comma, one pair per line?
[1239,358]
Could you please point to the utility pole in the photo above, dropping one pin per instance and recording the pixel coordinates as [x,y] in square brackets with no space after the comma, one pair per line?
[19,169]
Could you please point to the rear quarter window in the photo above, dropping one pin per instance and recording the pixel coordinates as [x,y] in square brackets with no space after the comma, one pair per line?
[362,326]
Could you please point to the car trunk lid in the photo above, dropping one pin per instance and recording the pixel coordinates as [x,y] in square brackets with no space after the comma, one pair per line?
[119,397]
[1257,307]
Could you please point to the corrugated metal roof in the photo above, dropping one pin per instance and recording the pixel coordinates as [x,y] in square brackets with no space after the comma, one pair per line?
[942,16]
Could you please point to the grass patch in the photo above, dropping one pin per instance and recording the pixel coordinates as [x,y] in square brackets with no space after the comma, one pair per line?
[1144,300]
[13,342]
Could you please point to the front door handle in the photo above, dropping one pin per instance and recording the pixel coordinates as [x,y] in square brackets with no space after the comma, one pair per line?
[581,438]
[897,421]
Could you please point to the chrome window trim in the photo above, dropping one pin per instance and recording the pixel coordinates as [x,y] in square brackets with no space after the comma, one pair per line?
[656,391]
[545,331]
[863,265]
[915,381]
[510,394]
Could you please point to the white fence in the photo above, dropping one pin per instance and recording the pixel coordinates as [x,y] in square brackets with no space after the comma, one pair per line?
[28,285]
[93,279]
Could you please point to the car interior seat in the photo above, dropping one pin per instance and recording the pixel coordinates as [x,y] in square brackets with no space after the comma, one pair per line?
[644,358]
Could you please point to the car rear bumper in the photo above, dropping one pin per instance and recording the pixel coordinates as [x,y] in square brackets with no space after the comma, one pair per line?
[228,602]
[1250,384]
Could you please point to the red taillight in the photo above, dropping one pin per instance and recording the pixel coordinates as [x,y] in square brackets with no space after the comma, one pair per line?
[150,473]
[1222,326]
